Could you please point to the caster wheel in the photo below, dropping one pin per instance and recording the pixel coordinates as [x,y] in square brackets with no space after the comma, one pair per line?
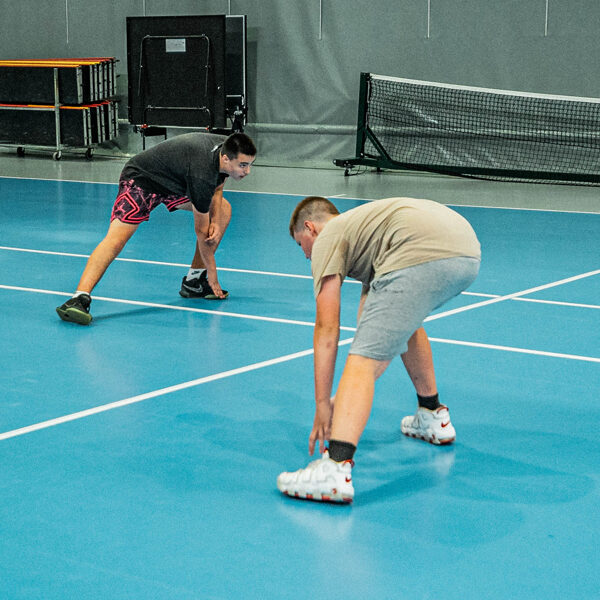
[57,155]
[89,154]
[20,151]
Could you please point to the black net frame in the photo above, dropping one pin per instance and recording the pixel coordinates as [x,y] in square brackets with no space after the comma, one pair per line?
[476,132]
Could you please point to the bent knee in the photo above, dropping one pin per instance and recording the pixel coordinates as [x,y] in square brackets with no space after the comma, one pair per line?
[374,367]
[119,234]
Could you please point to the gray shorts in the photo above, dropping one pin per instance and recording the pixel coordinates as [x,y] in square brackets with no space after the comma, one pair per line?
[399,302]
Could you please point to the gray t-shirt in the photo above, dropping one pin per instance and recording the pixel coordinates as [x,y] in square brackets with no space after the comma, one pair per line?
[186,165]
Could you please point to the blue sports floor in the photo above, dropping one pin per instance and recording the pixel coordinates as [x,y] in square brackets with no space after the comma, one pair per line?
[139,455]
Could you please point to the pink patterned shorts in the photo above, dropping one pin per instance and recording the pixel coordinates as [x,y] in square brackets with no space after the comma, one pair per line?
[134,205]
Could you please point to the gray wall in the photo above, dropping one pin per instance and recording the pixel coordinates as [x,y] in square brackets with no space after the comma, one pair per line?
[305,56]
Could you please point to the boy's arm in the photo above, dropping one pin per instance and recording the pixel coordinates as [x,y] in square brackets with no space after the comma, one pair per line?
[216,206]
[207,250]
[325,342]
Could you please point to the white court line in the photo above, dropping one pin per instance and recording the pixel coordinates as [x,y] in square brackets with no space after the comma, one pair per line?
[535,300]
[557,303]
[173,307]
[102,408]
[267,363]
[162,392]
[59,180]
[227,191]
[514,295]
[434,317]
[519,350]
[524,209]
[339,196]
[163,264]
[275,274]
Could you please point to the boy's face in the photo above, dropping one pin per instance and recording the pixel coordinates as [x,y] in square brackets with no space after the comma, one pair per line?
[237,168]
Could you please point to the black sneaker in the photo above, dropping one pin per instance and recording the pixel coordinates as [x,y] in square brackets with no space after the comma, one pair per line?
[199,288]
[76,310]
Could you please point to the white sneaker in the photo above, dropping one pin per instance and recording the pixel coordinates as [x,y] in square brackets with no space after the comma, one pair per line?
[433,426]
[324,480]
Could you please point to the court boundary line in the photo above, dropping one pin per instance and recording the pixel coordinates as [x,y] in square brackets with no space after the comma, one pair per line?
[158,262]
[253,367]
[515,294]
[288,357]
[547,353]
[275,274]
[193,309]
[263,364]
[285,358]
[433,317]
[154,394]
[521,208]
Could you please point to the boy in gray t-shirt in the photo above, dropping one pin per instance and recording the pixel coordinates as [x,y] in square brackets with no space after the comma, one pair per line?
[186,172]
[411,256]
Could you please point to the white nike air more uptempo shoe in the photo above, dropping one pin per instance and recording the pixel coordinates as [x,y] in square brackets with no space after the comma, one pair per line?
[433,426]
[324,480]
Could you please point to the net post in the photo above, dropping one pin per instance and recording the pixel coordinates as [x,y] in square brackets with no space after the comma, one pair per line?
[361,125]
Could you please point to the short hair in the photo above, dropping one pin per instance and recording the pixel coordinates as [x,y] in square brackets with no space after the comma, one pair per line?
[238,143]
[312,208]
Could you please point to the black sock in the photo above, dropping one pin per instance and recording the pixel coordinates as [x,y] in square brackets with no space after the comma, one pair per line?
[429,402]
[341,451]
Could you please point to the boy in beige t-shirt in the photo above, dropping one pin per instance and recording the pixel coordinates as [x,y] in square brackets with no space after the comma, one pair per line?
[411,256]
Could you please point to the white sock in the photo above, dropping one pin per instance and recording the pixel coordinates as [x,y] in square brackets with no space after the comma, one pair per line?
[193,273]
[79,292]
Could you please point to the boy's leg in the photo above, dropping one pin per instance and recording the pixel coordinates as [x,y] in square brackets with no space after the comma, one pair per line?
[330,477]
[432,419]
[418,362]
[107,250]
[77,309]
[354,397]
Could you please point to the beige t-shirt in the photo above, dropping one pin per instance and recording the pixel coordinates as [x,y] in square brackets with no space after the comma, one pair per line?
[386,235]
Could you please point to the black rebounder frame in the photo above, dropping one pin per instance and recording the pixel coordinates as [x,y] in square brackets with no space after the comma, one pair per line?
[180,73]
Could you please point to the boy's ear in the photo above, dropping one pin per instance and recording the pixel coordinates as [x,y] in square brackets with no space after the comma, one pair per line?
[310,226]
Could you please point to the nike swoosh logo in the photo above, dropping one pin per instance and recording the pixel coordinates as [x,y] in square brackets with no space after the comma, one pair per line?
[446,424]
